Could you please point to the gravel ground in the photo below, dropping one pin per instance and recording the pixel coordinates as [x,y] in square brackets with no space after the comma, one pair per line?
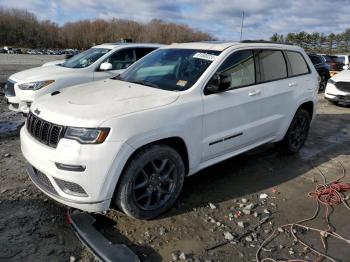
[213,206]
[12,63]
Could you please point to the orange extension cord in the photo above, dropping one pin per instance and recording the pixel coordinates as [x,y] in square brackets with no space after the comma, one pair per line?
[327,195]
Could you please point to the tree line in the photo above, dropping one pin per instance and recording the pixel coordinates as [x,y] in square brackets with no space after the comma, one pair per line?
[317,42]
[20,28]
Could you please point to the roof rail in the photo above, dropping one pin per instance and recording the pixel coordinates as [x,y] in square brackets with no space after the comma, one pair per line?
[265,42]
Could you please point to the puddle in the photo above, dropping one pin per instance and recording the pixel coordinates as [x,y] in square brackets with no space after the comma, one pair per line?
[10,128]
[188,246]
[312,149]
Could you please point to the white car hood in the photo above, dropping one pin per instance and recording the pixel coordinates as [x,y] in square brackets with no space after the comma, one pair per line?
[342,76]
[88,105]
[41,73]
[56,62]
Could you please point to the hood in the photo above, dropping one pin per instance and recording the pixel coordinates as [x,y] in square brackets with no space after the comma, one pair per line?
[88,105]
[55,62]
[41,73]
[342,76]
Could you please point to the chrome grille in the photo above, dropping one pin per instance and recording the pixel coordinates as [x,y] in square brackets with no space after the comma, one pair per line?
[45,132]
[9,89]
[343,86]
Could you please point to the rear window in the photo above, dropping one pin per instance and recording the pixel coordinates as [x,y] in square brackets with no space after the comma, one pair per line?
[340,59]
[297,64]
[315,59]
[271,65]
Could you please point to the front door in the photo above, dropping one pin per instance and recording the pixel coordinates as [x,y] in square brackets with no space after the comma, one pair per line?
[232,118]
[120,60]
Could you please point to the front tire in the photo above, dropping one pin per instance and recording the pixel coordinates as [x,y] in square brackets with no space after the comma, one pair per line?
[297,132]
[151,182]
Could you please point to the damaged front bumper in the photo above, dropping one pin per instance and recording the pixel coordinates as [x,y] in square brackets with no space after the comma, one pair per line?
[82,224]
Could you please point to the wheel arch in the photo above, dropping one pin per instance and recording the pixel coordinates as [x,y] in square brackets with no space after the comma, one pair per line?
[308,106]
[174,142]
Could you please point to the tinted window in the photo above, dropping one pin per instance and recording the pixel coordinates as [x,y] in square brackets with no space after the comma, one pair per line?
[238,69]
[340,59]
[122,59]
[315,59]
[328,59]
[141,52]
[297,64]
[270,65]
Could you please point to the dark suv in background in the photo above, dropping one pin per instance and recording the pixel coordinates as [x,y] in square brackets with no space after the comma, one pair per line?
[333,62]
[322,69]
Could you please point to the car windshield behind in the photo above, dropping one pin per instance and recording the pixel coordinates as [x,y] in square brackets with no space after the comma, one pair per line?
[340,59]
[170,69]
[85,58]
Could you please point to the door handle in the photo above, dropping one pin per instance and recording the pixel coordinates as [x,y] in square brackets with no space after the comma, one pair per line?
[292,84]
[254,92]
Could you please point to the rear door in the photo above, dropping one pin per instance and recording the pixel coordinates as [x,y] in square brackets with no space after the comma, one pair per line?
[231,119]
[278,90]
[281,95]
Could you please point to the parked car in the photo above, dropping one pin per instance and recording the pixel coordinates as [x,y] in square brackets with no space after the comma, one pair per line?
[345,60]
[322,69]
[100,62]
[130,141]
[334,64]
[338,88]
[16,51]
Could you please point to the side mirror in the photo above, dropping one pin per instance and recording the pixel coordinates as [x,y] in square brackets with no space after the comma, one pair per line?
[105,66]
[218,83]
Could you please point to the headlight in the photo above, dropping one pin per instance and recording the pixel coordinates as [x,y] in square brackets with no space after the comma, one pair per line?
[331,81]
[87,135]
[35,85]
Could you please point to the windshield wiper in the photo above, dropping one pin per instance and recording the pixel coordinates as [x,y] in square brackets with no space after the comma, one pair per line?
[117,77]
[145,83]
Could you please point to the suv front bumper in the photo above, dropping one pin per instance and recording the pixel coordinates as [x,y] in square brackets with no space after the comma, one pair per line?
[94,180]
[332,93]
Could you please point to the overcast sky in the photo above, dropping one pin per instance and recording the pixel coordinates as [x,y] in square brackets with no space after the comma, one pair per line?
[221,18]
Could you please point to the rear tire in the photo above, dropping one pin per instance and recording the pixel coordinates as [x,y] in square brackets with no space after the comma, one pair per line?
[297,132]
[151,182]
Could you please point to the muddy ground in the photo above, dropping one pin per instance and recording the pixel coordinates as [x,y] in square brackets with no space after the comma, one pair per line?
[34,228]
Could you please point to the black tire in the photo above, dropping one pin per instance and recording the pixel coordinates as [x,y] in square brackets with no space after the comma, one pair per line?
[151,182]
[297,132]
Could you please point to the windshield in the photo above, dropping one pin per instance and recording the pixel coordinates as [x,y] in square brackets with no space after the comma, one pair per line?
[340,59]
[85,58]
[170,69]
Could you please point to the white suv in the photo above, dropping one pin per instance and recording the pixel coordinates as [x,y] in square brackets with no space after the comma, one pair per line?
[130,141]
[99,62]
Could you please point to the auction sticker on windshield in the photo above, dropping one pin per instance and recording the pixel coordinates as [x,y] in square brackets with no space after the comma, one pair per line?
[205,56]
[181,83]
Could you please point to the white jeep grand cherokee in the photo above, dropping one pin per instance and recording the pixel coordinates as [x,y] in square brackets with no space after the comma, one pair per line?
[130,141]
